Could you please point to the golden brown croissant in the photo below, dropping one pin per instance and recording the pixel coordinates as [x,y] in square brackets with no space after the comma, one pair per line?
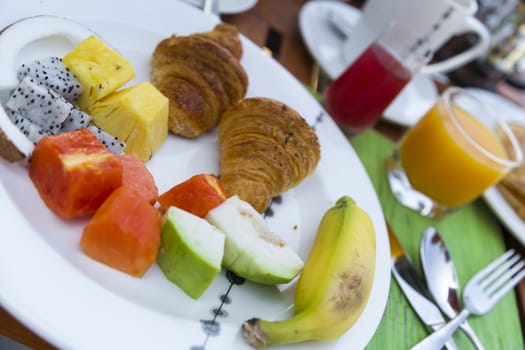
[515,199]
[228,36]
[266,149]
[201,79]
[513,184]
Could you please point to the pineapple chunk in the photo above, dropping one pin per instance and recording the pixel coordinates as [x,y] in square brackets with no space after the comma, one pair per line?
[137,115]
[100,69]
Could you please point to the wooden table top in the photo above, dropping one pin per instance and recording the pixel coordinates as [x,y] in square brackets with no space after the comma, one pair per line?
[274,24]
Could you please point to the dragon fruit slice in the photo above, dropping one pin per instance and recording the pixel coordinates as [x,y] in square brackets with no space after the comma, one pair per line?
[111,142]
[53,74]
[76,120]
[39,104]
[31,130]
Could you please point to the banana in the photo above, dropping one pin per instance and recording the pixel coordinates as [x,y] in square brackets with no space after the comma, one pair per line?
[334,286]
[345,224]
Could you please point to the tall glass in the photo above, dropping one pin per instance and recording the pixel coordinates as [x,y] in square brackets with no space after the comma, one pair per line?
[451,155]
[357,99]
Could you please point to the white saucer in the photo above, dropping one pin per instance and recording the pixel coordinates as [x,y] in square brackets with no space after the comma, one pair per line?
[228,6]
[324,44]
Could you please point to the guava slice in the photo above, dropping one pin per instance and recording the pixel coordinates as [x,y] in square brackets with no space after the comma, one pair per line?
[191,251]
[250,250]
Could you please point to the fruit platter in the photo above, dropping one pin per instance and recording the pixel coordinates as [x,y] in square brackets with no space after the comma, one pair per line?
[57,273]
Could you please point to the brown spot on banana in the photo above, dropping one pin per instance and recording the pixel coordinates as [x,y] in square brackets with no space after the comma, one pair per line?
[348,292]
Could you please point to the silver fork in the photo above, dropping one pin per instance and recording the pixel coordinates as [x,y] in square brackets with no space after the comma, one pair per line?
[481,293]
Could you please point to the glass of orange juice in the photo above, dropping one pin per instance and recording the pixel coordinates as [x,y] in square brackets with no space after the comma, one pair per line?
[451,155]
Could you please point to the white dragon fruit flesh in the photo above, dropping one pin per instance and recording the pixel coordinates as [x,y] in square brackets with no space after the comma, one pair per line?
[53,74]
[40,105]
[31,130]
[111,142]
[76,120]
[38,111]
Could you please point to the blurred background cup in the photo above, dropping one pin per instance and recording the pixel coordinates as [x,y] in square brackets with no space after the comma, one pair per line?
[507,55]
[455,152]
[357,98]
[436,20]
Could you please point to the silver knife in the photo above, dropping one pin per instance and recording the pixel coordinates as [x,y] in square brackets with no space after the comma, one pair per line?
[414,288]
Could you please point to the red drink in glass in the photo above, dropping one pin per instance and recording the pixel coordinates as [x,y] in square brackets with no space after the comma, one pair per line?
[357,98]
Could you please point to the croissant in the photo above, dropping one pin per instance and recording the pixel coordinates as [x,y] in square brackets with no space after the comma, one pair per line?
[266,149]
[512,186]
[200,77]
[226,35]
[514,198]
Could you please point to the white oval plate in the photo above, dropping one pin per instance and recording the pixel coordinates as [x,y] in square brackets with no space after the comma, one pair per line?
[324,44]
[75,302]
[508,111]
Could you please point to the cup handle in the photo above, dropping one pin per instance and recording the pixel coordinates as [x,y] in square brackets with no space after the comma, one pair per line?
[478,50]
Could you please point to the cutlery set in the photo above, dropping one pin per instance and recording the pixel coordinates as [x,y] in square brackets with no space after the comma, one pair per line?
[437,294]
[441,277]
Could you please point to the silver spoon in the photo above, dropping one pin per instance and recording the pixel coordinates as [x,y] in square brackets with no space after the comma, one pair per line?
[441,277]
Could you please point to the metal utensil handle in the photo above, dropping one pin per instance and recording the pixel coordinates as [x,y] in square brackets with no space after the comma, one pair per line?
[436,340]
[450,344]
[465,326]
[211,7]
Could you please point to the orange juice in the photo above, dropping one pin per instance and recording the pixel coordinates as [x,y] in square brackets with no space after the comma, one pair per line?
[441,162]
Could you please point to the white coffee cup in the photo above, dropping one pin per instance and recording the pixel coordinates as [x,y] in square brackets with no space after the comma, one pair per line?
[436,20]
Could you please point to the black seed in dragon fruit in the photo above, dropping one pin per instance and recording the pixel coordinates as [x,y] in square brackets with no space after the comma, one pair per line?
[31,130]
[111,142]
[76,120]
[53,74]
[40,105]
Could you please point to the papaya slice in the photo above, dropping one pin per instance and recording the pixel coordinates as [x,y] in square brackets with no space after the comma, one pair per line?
[74,173]
[136,176]
[124,233]
[197,195]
